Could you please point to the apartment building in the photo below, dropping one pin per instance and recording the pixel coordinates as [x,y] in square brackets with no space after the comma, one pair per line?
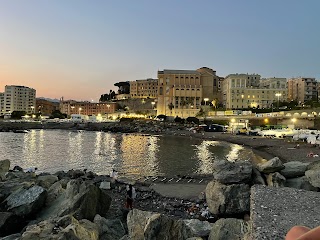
[87,108]
[145,88]
[46,107]
[250,91]
[17,98]
[182,92]
[302,89]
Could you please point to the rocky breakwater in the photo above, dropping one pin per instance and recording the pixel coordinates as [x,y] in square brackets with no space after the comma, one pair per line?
[82,205]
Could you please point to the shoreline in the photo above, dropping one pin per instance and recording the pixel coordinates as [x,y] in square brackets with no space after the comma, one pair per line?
[265,148]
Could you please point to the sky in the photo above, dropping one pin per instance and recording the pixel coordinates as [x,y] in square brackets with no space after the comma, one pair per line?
[78,49]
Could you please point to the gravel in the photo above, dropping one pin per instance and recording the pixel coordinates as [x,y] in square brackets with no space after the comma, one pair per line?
[274,211]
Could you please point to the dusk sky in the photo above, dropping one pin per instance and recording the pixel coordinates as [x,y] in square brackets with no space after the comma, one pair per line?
[79,48]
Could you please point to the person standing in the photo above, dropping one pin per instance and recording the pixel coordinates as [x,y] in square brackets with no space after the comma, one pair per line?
[131,194]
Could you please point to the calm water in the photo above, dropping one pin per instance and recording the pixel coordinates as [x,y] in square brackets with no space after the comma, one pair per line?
[132,155]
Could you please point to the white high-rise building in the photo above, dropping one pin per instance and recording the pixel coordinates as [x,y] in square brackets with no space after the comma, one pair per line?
[17,98]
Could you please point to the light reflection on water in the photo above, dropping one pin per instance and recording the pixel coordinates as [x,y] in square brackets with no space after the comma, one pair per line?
[132,155]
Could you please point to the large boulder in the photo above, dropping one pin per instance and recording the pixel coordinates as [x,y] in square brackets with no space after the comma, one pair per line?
[232,172]
[9,223]
[46,181]
[4,168]
[300,183]
[80,199]
[227,199]
[313,174]
[229,228]
[9,186]
[25,201]
[62,229]
[16,236]
[198,228]
[54,192]
[294,169]
[147,225]
[276,180]
[271,166]
[257,177]
[109,229]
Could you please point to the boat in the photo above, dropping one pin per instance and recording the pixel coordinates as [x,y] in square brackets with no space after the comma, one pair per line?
[20,131]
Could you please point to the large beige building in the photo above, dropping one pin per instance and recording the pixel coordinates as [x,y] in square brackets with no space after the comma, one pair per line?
[302,89]
[17,98]
[250,91]
[146,88]
[182,92]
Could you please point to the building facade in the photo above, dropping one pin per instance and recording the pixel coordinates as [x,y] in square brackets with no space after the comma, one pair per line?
[17,98]
[302,89]
[45,107]
[87,108]
[146,88]
[250,91]
[182,92]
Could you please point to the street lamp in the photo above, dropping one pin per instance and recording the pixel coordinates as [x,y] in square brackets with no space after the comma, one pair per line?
[80,110]
[205,101]
[72,107]
[278,95]
[153,103]
[32,108]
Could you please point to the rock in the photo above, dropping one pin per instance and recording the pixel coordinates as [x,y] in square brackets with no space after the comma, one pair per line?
[313,173]
[47,180]
[109,229]
[229,228]
[294,169]
[227,199]
[275,210]
[25,201]
[15,236]
[83,229]
[232,172]
[9,186]
[147,225]
[276,180]
[54,192]
[257,177]
[74,174]
[17,169]
[4,168]
[105,185]
[20,175]
[80,199]
[50,229]
[9,223]
[198,228]
[271,166]
[125,237]
[300,183]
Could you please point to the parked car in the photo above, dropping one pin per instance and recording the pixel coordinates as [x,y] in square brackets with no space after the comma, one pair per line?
[215,128]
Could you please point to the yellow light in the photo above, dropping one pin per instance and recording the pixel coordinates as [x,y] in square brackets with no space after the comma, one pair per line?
[266,120]
[233,120]
[99,114]
[33,116]
[293,120]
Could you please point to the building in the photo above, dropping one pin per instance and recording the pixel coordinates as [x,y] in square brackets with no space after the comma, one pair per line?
[182,92]
[302,89]
[146,88]
[250,91]
[17,98]
[70,107]
[46,107]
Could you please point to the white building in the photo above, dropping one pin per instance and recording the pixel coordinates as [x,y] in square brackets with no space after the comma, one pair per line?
[17,98]
[249,91]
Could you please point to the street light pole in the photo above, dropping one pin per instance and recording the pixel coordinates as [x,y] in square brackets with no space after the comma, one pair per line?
[108,106]
[205,101]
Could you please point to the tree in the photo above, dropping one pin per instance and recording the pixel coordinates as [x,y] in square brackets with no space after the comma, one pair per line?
[58,114]
[17,114]
[170,106]
[107,97]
